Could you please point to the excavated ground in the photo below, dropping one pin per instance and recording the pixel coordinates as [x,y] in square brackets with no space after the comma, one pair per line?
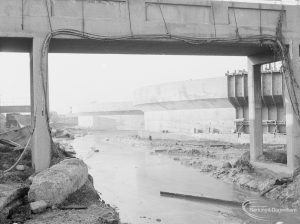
[83,206]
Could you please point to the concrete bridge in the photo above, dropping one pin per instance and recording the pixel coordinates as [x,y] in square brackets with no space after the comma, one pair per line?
[15,109]
[109,108]
[190,27]
[110,116]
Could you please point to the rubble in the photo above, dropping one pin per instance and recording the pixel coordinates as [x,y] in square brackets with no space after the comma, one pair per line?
[95,149]
[20,167]
[10,193]
[73,194]
[226,165]
[16,137]
[11,197]
[38,206]
[61,133]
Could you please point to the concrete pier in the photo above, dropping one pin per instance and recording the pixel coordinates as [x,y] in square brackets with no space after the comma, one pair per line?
[255,110]
[41,145]
[292,121]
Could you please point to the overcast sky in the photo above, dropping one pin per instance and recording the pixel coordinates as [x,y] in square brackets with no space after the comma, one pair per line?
[81,78]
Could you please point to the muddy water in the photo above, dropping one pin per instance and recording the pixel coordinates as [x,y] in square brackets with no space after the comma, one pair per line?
[131,179]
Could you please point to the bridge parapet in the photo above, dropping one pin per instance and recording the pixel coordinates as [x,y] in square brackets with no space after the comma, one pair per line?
[176,18]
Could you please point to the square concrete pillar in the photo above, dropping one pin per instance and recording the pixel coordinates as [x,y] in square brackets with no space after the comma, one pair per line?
[292,124]
[41,144]
[255,109]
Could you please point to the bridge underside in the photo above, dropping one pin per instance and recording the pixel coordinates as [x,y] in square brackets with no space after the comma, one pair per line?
[15,109]
[167,47]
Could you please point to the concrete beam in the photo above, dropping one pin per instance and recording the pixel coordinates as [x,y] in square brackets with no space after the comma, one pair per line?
[262,59]
[41,146]
[121,112]
[292,124]
[255,110]
[15,109]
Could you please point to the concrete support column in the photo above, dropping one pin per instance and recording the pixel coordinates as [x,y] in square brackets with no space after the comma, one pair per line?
[255,109]
[292,124]
[41,145]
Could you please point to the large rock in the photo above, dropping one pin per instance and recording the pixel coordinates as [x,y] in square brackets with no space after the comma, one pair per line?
[11,196]
[55,184]
[11,192]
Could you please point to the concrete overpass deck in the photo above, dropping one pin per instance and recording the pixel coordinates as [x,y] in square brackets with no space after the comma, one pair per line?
[112,108]
[192,94]
[15,109]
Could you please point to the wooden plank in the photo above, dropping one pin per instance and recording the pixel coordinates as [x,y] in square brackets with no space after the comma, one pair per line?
[201,199]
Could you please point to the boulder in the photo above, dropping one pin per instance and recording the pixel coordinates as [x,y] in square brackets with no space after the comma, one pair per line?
[10,193]
[11,197]
[56,183]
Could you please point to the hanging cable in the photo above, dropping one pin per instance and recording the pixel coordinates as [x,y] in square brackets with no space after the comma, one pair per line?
[48,15]
[289,77]
[83,18]
[236,24]
[214,21]
[260,25]
[129,18]
[22,24]
[163,17]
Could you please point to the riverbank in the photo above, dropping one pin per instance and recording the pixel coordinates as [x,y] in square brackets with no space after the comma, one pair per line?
[131,178]
[228,162]
[82,206]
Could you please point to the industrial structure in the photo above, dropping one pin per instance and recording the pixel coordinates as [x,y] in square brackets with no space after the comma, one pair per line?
[192,106]
[272,96]
[207,107]
[192,27]
[110,116]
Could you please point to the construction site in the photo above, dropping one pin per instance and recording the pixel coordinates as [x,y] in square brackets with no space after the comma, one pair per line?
[195,117]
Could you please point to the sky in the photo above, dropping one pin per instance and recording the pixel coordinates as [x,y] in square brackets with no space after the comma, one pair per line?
[76,79]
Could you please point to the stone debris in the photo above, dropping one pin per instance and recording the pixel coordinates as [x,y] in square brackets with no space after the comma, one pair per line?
[95,149]
[10,193]
[20,167]
[11,196]
[38,206]
[60,133]
[56,183]
[226,165]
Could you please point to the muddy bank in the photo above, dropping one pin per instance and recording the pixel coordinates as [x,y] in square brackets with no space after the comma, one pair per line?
[82,206]
[228,162]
